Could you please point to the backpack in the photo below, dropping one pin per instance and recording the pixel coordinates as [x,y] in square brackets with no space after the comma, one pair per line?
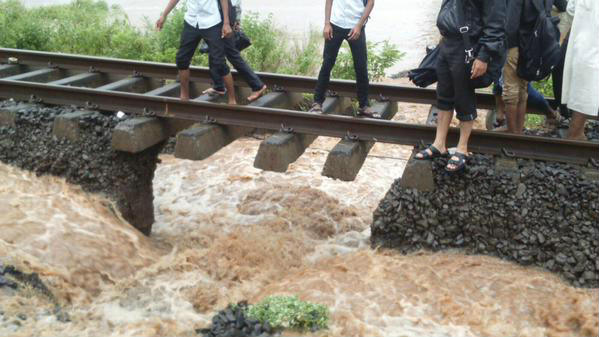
[496,63]
[540,52]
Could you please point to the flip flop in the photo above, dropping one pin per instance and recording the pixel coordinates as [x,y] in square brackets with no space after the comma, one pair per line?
[213,92]
[257,94]
[460,163]
[434,153]
[316,108]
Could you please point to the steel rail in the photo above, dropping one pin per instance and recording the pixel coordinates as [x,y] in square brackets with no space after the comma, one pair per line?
[200,74]
[530,147]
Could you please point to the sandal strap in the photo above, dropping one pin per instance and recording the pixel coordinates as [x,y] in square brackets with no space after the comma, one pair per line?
[434,153]
[461,159]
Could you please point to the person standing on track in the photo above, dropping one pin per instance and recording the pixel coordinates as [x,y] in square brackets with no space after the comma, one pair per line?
[345,20]
[233,55]
[521,19]
[203,21]
[454,87]
[581,69]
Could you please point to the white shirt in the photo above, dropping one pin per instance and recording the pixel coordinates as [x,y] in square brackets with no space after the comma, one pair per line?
[580,90]
[347,13]
[202,14]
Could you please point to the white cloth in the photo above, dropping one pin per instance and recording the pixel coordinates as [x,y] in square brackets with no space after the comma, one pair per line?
[202,14]
[347,13]
[581,69]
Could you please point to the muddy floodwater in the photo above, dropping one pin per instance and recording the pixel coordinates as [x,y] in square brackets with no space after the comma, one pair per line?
[226,232]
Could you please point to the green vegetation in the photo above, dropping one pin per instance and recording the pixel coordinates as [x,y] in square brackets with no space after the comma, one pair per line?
[545,86]
[534,121]
[288,312]
[94,28]
[381,56]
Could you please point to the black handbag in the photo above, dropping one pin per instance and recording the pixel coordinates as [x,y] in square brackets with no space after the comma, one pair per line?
[426,73]
[495,65]
[242,41]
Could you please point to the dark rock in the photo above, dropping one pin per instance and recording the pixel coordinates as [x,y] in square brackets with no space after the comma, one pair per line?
[232,322]
[548,218]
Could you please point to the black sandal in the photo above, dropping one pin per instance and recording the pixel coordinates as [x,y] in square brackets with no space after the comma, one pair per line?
[435,153]
[460,163]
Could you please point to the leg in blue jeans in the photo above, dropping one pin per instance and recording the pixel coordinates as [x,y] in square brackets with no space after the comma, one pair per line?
[234,57]
[360,56]
[537,100]
[329,57]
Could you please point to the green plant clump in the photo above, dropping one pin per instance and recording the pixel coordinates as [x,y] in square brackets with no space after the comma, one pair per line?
[288,312]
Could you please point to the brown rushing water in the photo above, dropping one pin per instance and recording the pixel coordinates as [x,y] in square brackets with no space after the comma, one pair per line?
[226,232]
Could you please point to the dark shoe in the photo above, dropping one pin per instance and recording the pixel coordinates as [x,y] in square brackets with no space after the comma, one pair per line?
[316,108]
[459,163]
[430,153]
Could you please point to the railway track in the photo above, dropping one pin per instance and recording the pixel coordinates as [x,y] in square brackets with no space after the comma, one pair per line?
[150,90]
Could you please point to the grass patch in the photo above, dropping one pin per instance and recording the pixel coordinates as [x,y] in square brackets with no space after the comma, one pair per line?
[94,28]
[534,121]
[288,312]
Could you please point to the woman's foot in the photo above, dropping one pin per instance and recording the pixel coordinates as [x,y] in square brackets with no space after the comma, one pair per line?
[456,163]
[213,92]
[257,94]
[430,153]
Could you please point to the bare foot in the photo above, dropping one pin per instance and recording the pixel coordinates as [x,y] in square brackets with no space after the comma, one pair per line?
[233,102]
[257,94]
[501,129]
[184,98]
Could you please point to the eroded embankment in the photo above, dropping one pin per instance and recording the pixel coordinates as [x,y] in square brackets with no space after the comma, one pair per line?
[27,141]
[533,213]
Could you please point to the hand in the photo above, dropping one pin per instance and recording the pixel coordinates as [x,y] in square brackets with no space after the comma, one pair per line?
[355,33]
[160,22]
[328,31]
[227,31]
[479,68]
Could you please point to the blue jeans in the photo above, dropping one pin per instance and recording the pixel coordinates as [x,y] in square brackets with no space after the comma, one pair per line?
[535,99]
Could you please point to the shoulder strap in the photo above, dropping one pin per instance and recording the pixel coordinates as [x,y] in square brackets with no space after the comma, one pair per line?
[464,30]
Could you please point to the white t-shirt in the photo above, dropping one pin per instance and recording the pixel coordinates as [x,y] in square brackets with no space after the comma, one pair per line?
[347,13]
[202,13]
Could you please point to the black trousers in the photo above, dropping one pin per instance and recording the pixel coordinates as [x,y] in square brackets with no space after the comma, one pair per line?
[234,57]
[454,89]
[360,56]
[191,37]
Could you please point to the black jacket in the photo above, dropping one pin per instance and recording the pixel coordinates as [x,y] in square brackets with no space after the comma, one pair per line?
[561,5]
[521,18]
[486,19]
